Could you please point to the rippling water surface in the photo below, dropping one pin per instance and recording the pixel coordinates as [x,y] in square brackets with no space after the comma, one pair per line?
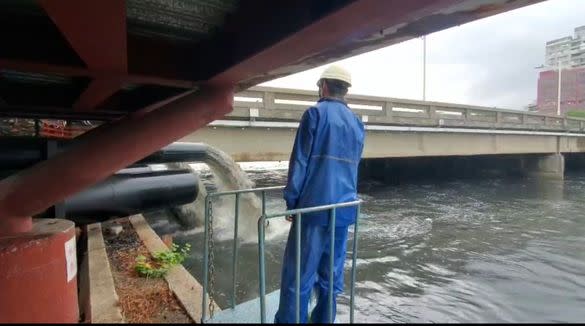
[497,250]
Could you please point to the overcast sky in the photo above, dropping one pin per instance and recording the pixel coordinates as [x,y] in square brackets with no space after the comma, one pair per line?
[489,62]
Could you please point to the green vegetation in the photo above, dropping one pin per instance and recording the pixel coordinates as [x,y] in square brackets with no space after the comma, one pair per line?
[163,261]
[576,114]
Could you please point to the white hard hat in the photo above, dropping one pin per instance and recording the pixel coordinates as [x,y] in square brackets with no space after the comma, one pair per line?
[337,73]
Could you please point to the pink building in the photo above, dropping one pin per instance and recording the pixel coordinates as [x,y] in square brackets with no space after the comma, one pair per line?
[572,90]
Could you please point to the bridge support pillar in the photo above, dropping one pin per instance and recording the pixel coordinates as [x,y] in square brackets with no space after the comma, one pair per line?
[547,166]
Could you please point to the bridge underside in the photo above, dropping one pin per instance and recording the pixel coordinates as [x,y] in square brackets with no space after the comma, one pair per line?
[155,71]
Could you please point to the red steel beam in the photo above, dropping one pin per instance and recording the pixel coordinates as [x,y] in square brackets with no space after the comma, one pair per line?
[99,154]
[97,92]
[47,112]
[96,30]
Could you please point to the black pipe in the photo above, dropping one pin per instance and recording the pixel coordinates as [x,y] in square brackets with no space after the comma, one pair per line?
[20,153]
[177,152]
[131,193]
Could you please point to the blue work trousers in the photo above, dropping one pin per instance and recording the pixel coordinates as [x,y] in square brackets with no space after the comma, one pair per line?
[315,269]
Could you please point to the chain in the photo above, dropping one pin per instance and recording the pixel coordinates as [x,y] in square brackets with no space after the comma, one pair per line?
[210,266]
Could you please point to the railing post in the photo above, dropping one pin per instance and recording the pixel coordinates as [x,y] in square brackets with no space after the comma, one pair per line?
[565,123]
[261,267]
[581,125]
[205,259]
[261,270]
[268,100]
[432,112]
[263,203]
[353,266]
[499,117]
[298,269]
[465,114]
[331,264]
[235,251]
[388,109]
[522,118]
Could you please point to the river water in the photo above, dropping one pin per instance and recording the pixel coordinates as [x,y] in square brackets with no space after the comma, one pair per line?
[475,250]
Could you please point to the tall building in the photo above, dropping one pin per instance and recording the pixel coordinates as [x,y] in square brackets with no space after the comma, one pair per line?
[569,52]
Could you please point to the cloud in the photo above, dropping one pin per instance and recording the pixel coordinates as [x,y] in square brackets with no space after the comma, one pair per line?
[490,62]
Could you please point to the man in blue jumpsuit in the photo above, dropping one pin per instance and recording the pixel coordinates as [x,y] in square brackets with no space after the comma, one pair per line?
[322,170]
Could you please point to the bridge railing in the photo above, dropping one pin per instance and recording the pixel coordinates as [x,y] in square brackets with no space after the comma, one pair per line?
[274,104]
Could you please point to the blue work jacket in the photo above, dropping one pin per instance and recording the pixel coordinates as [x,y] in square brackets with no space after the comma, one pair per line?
[323,167]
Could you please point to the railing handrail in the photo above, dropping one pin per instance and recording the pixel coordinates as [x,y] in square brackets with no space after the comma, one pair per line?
[313,209]
[242,191]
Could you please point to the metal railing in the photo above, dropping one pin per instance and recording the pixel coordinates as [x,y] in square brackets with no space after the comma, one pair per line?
[208,237]
[275,104]
[298,219]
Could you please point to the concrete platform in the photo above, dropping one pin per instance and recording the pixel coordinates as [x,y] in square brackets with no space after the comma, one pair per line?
[99,299]
[248,312]
[185,287]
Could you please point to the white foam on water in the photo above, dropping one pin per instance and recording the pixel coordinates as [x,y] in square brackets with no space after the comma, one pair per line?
[264,166]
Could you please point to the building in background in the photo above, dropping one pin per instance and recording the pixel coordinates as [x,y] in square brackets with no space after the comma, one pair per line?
[532,107]
[569,52]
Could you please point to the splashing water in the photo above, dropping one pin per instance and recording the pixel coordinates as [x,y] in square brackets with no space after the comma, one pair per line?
[228,176]
[190,215]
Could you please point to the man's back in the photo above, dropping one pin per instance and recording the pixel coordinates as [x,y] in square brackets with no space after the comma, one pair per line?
[322,170]
[332,145]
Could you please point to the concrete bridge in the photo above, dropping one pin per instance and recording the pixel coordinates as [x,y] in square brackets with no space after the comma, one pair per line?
[264,123]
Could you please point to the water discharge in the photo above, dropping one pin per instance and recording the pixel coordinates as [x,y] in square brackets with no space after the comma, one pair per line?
[227,176]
